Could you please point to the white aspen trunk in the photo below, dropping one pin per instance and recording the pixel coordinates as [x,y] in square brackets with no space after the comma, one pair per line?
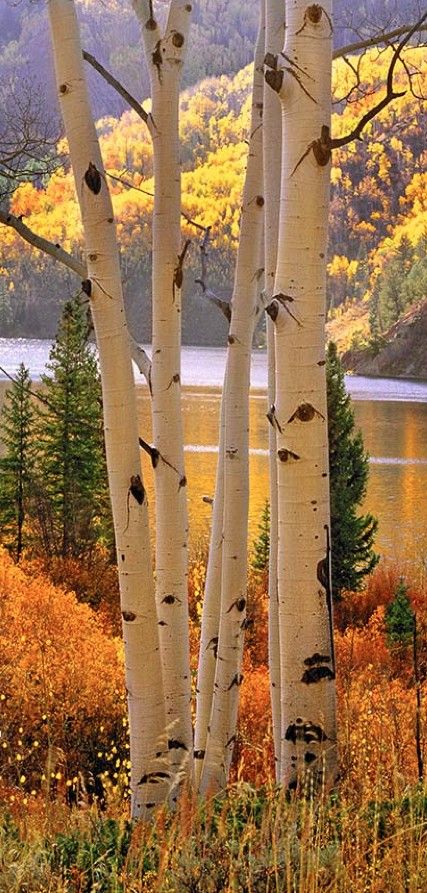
[272,152]
[305,609]
[228,677]
[149,776]
[210,614]
[165,53]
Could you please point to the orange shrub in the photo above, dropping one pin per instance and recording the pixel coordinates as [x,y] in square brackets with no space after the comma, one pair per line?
[61,685]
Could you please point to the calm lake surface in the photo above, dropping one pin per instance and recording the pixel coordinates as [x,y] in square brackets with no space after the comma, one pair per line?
[391,413]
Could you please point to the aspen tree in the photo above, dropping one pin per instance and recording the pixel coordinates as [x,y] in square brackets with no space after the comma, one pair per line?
[228,676]
[272,142]
[149,773]
[208,648]
[303,83]
[165,50]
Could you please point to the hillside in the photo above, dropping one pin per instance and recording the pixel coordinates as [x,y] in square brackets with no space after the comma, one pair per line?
[401,352]
[222,40]
[378,221]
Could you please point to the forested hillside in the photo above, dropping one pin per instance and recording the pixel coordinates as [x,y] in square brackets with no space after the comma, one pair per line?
[378,220]
[222,39]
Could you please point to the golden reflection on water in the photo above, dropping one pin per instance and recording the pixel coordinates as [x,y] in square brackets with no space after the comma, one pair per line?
[392,430]
[397,493]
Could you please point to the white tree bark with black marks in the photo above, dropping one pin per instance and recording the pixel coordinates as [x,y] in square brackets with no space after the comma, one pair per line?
[305,611]
[228,675]
[149,774]
[211,613]
[272,145]
[165,51]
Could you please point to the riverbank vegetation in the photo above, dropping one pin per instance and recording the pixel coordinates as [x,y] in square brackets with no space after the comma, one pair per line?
[64,756]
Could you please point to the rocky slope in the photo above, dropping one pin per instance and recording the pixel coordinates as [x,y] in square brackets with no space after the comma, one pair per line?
[403,352]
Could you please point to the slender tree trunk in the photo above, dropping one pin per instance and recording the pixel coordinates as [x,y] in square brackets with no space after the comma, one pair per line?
[305,606]
[272,145]
[149,774]
[165,53]
[228,676]
[211,613]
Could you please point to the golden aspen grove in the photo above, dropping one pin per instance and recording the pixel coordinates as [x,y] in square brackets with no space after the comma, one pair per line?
[236,703]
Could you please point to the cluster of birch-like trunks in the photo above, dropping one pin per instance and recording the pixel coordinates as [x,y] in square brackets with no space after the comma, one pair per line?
[280,269]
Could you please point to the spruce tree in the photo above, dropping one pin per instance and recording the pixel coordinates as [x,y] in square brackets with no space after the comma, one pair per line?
[399,617]
[352,534]
[16,431]
[72,504]
[261,546]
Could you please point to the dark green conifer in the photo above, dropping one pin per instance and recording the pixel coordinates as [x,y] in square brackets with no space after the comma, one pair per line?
[352,534]
[16,431]
[72,504]
[261,546]
[399,617]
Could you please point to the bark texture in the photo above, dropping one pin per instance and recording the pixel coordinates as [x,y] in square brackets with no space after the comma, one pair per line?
[149,774]
[228,675]
[272,151]
[165,52]
[308,734]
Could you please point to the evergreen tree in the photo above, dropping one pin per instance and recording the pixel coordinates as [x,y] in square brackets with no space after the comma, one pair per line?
[261,546]
[399,617]
[71,500]
[352,535]
[16,426]
[391,291]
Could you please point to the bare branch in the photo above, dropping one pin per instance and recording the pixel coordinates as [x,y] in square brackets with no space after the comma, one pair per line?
[390,94]
[120,89]
[128,184]
[55,251]
[141,359]
[380,37]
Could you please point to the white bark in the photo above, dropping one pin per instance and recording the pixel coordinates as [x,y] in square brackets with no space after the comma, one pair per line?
[228,677]
[165,53]
[272,146]
[305,611]
[142,658]
[211,613]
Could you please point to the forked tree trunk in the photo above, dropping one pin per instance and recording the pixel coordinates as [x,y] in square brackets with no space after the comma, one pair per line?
[228,676]
[165,52]
[149,774]
[305,610]
[272,143]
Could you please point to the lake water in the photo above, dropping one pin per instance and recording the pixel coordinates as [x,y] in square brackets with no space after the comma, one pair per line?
[392,415]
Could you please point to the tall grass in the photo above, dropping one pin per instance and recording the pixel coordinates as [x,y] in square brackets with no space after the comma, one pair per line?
[248,841]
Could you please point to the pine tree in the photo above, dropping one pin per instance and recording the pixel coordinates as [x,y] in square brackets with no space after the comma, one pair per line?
[71,503]
[16,426]
[399,617]
[352,535]
[261,546]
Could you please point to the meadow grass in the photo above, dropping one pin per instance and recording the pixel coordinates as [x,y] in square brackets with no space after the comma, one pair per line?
[247,841]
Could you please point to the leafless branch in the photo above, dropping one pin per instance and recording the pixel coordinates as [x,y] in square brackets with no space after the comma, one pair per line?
[120,89]
[27,140]
[224,306]
[379,37]
[128,184]
[55,251]
[390,92]
[141,359]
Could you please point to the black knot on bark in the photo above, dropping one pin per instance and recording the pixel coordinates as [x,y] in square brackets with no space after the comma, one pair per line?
[93,179]
[274,79]
[137,489]
[273,310]
[314,13]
